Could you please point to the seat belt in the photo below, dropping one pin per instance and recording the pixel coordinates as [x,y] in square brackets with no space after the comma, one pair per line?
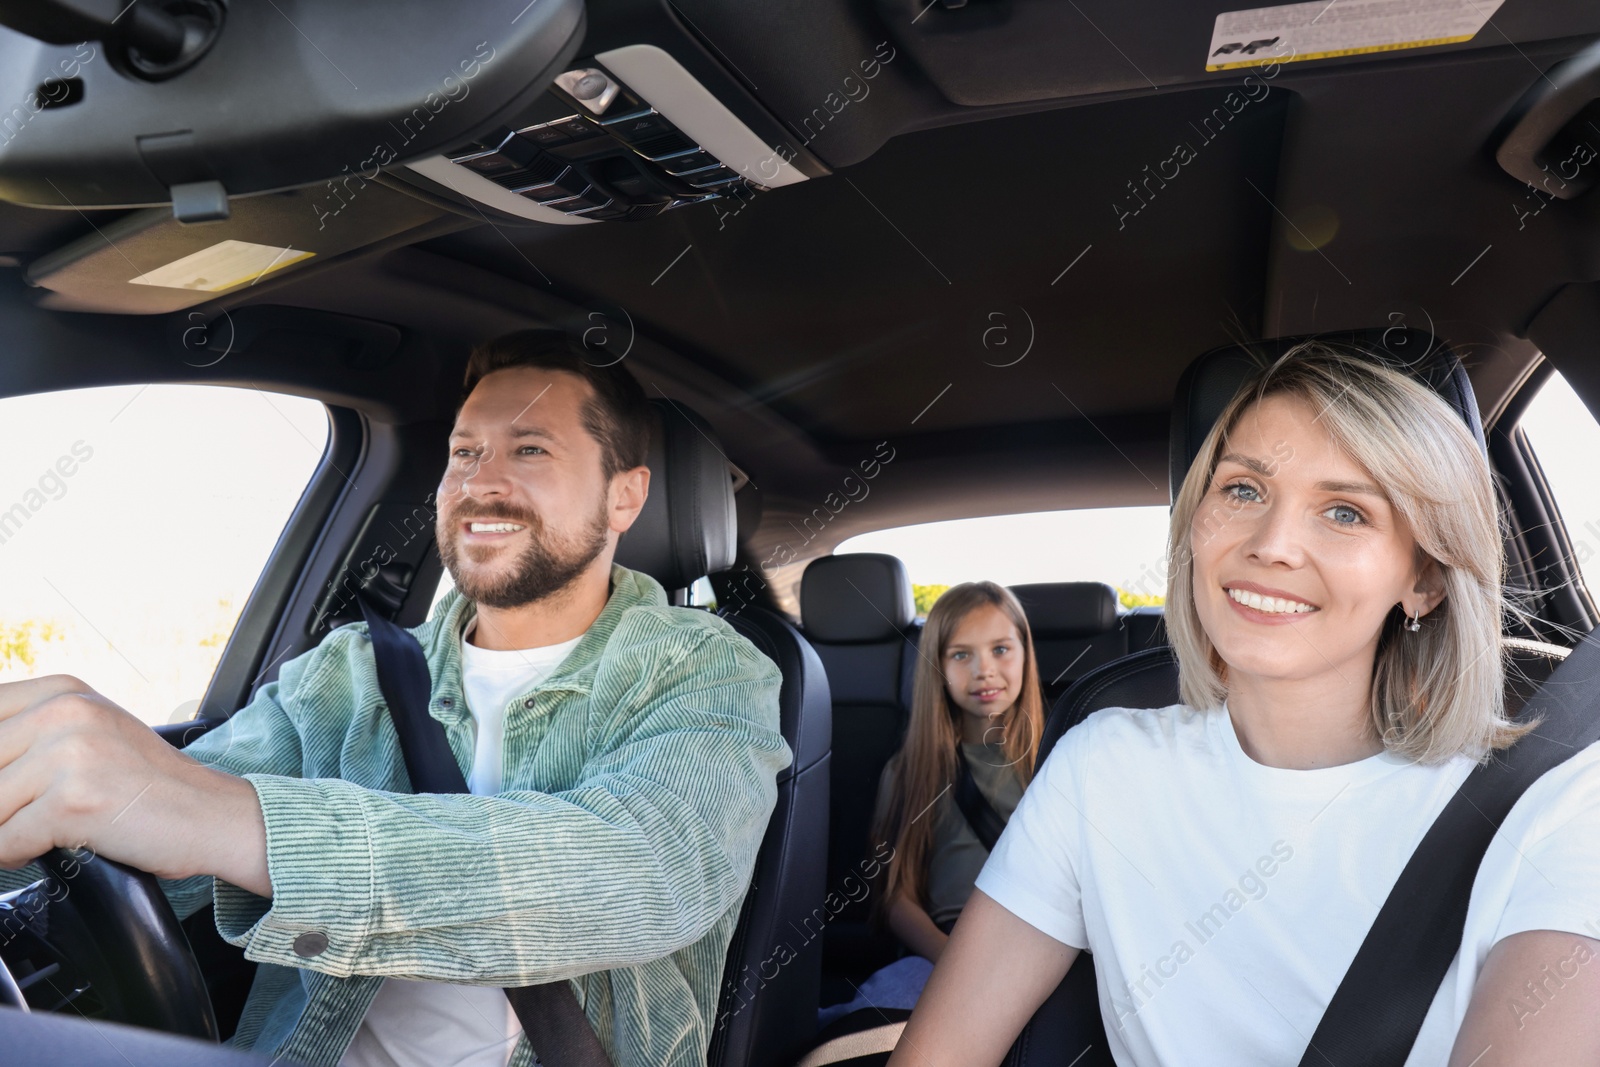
[986,823]
[556,1027]
[1377,1011]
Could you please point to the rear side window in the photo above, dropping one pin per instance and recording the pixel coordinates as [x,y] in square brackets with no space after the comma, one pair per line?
[134,523]
[1566,439]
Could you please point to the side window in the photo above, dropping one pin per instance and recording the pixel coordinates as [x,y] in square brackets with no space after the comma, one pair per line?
[134,523]
[1566,438]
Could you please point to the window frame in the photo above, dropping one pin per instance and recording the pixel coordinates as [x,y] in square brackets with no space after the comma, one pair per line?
[1538,529]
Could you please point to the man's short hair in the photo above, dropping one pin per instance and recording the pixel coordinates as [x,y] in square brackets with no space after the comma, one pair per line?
[617,415]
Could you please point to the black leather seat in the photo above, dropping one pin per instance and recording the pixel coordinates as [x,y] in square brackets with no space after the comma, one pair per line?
[1075,629]
[857,611]
[1146,627]
[772,977]
[1068,1028]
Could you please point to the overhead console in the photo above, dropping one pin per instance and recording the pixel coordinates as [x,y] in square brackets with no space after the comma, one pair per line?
[151,102]
[622,135]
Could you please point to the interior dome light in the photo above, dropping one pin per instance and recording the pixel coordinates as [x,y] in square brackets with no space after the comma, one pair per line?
[589,87]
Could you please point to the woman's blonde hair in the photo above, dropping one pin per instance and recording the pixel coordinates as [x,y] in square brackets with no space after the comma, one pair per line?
[925,766]
[1436,693]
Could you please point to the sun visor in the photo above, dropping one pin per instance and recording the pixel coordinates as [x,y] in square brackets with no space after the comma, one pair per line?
[146,262]
[274,96]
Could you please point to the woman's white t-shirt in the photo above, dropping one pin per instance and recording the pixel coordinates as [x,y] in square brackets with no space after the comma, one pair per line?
[1224,899]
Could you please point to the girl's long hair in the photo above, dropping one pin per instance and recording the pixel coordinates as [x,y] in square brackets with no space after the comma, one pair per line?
[925,766]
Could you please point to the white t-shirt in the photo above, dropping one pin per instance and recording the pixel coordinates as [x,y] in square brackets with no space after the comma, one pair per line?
[440,1024]
[1224,899]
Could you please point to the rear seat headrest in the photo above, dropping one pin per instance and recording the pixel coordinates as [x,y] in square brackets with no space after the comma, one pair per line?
[1068,609]
[856,598]
[1210,381]
[687,527]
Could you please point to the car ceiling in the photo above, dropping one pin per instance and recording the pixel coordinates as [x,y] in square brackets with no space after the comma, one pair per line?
[971,284]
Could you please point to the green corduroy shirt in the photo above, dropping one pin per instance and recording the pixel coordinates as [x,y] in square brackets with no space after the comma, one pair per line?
[639,779]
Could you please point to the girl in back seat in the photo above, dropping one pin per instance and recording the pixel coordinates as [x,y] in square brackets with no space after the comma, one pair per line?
[976,718]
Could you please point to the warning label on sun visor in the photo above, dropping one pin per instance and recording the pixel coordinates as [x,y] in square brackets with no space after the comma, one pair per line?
[222,266]
[1326,28]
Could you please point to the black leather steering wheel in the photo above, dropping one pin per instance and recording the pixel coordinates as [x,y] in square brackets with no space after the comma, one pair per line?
[117,928]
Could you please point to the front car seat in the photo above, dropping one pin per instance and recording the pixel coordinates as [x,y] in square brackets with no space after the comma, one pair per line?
[771,980]
[1069,1023]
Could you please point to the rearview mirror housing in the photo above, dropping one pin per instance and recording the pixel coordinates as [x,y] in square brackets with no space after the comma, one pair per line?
[287,95]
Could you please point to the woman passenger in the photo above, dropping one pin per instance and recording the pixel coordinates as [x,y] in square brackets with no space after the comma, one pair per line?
[1335,598]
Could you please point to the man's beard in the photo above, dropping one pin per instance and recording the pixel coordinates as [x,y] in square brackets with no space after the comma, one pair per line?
[543,570]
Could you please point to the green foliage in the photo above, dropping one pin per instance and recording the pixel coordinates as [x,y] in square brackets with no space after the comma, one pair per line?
[20,643]
[925,595]
[221,625]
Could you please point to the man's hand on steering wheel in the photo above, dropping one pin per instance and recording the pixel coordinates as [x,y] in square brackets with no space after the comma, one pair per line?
[76,770]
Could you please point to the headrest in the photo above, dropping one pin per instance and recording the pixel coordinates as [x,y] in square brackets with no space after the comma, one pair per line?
[686,529]
[1211,381]
[1068,609]
[855,598]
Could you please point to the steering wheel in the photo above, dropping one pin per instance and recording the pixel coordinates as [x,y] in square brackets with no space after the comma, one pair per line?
[113,931]
[10,992]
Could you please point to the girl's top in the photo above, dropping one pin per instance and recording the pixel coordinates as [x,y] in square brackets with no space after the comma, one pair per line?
[955,856]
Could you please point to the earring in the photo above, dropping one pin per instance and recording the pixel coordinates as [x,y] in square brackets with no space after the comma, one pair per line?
[1412,624]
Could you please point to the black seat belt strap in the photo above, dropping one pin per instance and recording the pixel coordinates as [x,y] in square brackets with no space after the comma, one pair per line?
[407,688]
[556,1027]
[986,823]
[1380,1005]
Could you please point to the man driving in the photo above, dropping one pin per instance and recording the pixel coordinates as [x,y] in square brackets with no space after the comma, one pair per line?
[621,754]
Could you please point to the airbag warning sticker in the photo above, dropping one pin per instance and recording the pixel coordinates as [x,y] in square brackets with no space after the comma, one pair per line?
[1327,28]
[222,266]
